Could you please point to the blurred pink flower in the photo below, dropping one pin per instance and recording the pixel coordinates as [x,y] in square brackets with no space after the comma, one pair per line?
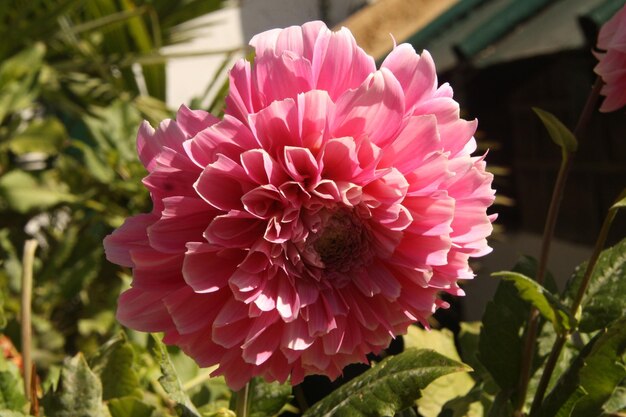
[612,65]
[320,218]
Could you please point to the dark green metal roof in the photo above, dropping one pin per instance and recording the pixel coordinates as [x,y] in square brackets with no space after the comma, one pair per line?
[490,31]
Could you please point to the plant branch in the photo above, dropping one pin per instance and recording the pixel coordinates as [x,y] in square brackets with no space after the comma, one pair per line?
[548,235]
[30,246]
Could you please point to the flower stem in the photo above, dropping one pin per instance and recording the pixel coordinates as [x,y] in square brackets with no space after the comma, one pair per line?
[241,408]
[548,235]
[582,289]
[30,246]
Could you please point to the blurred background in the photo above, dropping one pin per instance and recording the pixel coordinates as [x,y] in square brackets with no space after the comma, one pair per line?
[77,77]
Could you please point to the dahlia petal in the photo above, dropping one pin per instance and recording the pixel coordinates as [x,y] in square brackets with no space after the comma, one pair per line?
[241,100]
[282,77]
[181,221]
[262,168]
[315,113]
[229,137]
[132,234]
[338,63]
[419,138]
[222,184]
[207,269]
[276,126]
[193,121]
[376,109]
[234,230]
[301,165]
[416,73]
[190,311]
[432,214]
[150,142]
[143,311]
[340,159]
[154,270]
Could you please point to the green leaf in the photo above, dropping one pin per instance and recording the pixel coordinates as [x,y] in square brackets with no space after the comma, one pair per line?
[604,300]
[171,383]
[78,394]
[45,135]
[11,386]
[559,133]
[548,304]
[17,79]
[443,389]
[23,193]
[387,388]
[617,402]
[114,366]
[266,399]
[597,370]
[129,407]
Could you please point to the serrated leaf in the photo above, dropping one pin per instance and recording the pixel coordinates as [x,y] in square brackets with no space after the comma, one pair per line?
[604,300]
[129,407]
[443,389]
[23,193]
[78,394]
[558,132]
[389,387]
[114,366]
[597,370]
[545,302]
[266,399]
[171,383]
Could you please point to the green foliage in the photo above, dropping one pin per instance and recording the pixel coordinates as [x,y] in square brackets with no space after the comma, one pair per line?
[545,302]
[558,132]
[447,387]
[11,387]
[387,388]
[267,399]
[592,377]
[78,394]
[605,300]
[171,383]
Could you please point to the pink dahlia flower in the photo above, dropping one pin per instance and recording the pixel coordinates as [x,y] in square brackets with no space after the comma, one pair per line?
[612,65]
[320,218]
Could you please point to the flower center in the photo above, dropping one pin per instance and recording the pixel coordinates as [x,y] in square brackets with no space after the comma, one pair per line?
[343,242]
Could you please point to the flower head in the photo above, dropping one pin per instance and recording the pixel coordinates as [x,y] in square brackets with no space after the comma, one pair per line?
[317,220]
[612,65]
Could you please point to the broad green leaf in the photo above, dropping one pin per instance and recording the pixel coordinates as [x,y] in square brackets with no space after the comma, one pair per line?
[114,366]
[45,135]
[443,389]
[266,399]
[129,407]
[11,386]
[567,409]
[548,304]
[604,300]
[171,383]
[388,387]
[597,370]
[23,193]
[559,133]
[501,336]
[503,326]
[78,394]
